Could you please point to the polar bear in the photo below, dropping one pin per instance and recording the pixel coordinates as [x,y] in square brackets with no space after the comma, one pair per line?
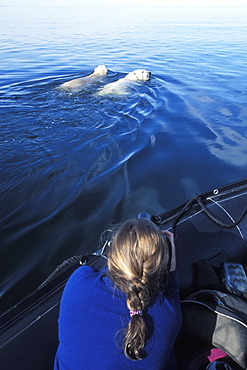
[78,83]
[122,86]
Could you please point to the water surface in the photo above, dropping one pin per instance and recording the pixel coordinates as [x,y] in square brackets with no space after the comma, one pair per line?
[71,164]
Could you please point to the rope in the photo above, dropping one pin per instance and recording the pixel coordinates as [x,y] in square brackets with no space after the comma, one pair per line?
[187,206]
[60,267]
[216,220]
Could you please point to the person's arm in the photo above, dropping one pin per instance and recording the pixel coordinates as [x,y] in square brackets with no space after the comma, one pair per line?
[173,258]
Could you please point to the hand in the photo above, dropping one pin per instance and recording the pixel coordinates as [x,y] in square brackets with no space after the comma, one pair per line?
[173,258]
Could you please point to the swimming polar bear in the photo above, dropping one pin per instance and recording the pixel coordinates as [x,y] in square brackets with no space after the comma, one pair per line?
[121,86]
[77,83]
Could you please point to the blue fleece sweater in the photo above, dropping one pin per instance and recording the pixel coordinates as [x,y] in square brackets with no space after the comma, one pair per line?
[93,313]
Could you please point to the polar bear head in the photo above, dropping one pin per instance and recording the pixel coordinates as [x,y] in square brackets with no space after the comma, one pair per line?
[138,75]
[100,70]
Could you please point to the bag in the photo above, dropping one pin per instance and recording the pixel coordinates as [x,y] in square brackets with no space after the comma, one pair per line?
[219,319]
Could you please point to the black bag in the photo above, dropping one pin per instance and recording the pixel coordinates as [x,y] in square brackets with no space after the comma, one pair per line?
[219,319]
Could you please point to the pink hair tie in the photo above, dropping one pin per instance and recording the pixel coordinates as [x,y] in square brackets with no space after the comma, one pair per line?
[136,312]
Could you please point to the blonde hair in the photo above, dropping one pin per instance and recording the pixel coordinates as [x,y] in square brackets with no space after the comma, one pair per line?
[138,264]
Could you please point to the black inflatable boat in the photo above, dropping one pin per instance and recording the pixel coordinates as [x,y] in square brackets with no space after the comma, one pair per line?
[210,229]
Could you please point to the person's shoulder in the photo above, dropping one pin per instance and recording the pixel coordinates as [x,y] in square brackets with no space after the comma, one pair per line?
[83,272]
[83,276]
[81,287]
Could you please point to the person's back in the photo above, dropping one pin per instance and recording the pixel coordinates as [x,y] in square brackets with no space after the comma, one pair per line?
[117,318]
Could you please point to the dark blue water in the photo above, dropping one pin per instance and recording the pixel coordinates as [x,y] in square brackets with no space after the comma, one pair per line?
[71,164]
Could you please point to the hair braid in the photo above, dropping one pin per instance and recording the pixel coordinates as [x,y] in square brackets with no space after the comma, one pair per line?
[138,261]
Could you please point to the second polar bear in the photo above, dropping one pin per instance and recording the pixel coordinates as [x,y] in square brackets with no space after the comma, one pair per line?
[122,86]
[78,83]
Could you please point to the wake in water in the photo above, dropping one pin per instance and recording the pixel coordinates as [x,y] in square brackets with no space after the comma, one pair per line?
[74,162]
[64,171]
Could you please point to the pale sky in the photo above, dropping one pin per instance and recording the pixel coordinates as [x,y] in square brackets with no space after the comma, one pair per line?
[123,3]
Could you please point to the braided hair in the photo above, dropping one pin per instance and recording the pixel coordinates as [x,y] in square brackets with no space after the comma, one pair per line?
[138,264]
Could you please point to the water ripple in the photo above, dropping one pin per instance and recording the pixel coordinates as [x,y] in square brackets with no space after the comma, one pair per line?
[72,163]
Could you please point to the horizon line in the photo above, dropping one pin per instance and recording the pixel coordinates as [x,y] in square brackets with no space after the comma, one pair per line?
[123,6]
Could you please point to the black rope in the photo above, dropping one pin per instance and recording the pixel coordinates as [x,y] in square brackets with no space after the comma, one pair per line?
[186,207]
[60,267]
[216,220]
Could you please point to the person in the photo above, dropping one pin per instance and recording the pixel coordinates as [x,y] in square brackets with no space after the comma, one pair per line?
[128,315]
